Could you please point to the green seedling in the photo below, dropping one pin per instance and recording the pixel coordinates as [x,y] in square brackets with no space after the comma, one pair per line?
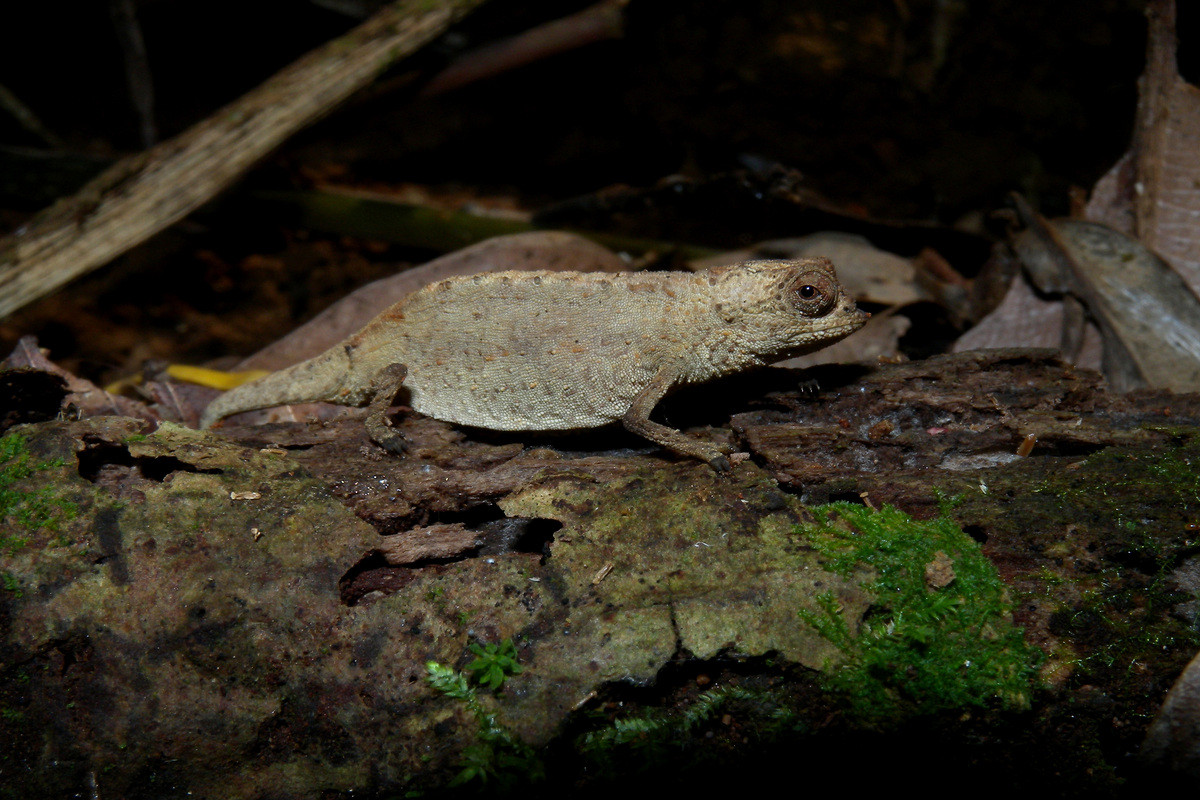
[497,756]
[493,663]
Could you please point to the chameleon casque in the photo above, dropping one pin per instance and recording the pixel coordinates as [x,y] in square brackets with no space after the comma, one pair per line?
[566,350]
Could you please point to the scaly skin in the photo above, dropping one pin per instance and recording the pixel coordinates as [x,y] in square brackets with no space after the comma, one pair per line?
[567,350]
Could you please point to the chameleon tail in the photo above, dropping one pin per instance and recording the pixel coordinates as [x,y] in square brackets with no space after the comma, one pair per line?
[319,379]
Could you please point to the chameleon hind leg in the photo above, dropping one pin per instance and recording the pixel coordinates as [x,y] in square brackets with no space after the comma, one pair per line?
[384,388]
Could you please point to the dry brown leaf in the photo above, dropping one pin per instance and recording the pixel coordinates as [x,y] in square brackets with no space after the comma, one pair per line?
[1148,321]
[1151,193]
[1025,320]
[1151,196]
[1173,740]
[85,397]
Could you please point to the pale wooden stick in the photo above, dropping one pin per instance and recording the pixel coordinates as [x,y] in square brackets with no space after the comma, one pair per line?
[140,195]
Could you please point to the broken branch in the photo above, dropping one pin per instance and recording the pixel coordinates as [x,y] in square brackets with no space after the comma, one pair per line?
[143,194]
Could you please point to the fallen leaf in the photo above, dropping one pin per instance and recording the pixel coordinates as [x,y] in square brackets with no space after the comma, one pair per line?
[939,573]
[1151,191]
[85,397]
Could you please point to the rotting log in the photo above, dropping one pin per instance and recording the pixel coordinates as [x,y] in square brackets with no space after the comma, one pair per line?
[242,576]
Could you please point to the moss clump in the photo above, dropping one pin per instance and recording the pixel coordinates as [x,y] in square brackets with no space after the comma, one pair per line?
[939,636]
[675,736]
[25,508]
[1145,491]
[497,756]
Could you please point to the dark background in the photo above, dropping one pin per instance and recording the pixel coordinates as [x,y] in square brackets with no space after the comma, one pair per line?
[905,110]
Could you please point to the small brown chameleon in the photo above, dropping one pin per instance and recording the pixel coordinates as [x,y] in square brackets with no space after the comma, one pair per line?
[566,350]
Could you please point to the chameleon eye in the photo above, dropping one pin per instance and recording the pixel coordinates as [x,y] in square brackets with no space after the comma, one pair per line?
[813,294]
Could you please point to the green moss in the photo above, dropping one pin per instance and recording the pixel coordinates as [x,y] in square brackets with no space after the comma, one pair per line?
[496,757]
[1140,524]
[1121,625]
[928,644]
[494,663]
[9,583]
[28,509]
[643,740]
[1139,486]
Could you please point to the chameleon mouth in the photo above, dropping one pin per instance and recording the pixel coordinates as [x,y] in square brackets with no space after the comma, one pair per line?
[846,327]
[826,336]
[817,340]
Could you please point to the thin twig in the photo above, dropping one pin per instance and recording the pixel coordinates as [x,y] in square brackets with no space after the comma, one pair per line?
[604,20]
[137,67]
[26,118]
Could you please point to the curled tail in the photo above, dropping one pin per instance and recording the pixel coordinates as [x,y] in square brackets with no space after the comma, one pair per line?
[320,379]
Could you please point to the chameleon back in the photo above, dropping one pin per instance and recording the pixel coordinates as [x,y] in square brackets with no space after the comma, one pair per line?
[509,354]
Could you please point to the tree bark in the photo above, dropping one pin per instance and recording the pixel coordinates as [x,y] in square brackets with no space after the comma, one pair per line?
[143,194]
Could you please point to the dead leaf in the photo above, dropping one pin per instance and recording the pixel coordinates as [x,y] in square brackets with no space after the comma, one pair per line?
[1151,191]
[939,573]
[1173,739]
[1148,320]
[85,397]
[1146,309]
[1023,319]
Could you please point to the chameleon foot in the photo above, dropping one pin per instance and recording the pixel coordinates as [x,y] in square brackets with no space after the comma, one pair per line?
[383,390]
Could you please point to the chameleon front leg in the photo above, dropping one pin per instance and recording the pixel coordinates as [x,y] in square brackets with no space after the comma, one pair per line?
[637,420]
[384,387]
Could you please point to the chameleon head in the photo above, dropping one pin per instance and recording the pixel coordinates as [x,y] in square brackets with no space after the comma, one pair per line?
[787,308]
